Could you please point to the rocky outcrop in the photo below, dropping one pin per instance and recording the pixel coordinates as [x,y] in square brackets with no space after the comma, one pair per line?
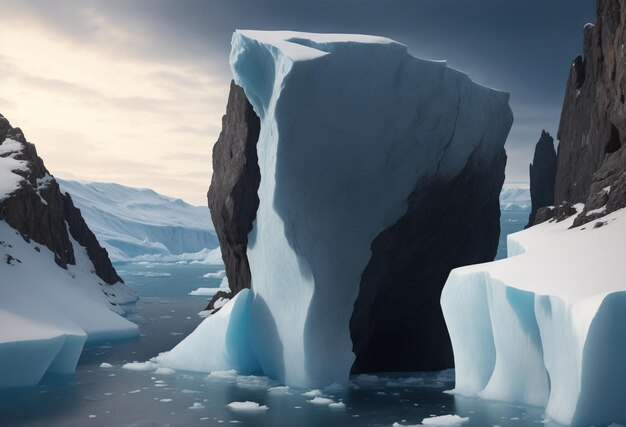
[542,175]
[592,131]
[232,196]
[39,211]
[397,324]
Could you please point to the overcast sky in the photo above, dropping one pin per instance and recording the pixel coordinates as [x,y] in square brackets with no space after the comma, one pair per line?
[132,91]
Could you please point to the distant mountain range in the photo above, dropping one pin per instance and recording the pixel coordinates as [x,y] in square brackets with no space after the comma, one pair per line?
[514,197]
[141,224]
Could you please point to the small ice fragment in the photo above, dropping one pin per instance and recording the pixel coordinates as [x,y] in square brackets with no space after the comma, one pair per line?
[247,406]
[445,420]
[321,401]
[164,371]
[106,365]
[197,405]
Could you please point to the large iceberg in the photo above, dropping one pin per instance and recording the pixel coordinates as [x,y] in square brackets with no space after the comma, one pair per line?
[352,129]
[546,326]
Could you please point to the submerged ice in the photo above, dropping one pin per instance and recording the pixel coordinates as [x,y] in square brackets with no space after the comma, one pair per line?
[349,126]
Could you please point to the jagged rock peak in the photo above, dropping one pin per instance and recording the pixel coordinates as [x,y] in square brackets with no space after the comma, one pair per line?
[591,164]
[232,196]
[33,204]
[593,120]
[542,175]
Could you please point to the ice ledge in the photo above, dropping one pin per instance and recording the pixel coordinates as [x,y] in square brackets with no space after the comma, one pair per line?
[546,327]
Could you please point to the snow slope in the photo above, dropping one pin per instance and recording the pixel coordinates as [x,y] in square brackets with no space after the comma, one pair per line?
[546,326]
[345,120]
[138,223]
[48,313]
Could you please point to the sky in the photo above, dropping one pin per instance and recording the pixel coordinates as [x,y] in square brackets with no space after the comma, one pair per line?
[133,91]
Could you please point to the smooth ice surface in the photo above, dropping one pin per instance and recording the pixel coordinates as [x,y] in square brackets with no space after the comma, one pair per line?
[220,343]
[138,223]
[345,120]
[48,313]
[546,326]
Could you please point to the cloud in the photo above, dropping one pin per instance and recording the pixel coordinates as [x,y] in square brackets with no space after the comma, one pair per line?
[139,87]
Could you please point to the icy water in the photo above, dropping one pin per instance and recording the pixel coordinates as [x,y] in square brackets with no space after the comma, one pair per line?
[114,396]
[511,221]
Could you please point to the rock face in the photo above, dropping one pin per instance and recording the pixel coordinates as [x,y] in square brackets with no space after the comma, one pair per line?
[39,211]
[397,324]
[232,196]
[542,175]
[592,131]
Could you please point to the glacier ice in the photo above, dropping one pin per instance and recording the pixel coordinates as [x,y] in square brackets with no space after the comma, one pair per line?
[546,326]
[138,223]
[349,125]
[49,313]
[220,343]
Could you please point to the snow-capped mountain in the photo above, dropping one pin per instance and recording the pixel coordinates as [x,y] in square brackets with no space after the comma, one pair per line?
[58,288]
[140,224]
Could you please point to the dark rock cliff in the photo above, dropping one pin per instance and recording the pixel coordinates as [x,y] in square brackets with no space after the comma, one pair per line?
[232,196]
[39,211]
[397,323]
[591,162]
[542,175]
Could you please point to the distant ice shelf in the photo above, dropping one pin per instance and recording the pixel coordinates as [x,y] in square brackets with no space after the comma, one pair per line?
[546,326]
[139,224]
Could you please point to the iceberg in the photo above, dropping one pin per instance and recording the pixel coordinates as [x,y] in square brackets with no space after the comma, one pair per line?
[352,129]
[545,326]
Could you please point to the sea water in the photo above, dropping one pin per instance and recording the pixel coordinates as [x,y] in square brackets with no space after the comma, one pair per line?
[103,396]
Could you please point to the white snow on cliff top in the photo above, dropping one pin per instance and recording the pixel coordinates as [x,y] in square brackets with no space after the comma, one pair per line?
[294,43]
[574,264]
[9,181]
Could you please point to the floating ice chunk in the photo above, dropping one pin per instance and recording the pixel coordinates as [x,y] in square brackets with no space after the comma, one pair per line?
[208,292]
[140,366]
[197,405]
[445,420]
[166,400]
[164,371]
[247,406]
[321,401]
[283,389]
[337,405]
[105,365]
[215,275]
[313,393]
[231,373]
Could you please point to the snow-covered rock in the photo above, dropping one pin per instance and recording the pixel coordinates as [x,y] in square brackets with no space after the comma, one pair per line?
[140,224]
[58,288]
[546,326]
[354,132]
